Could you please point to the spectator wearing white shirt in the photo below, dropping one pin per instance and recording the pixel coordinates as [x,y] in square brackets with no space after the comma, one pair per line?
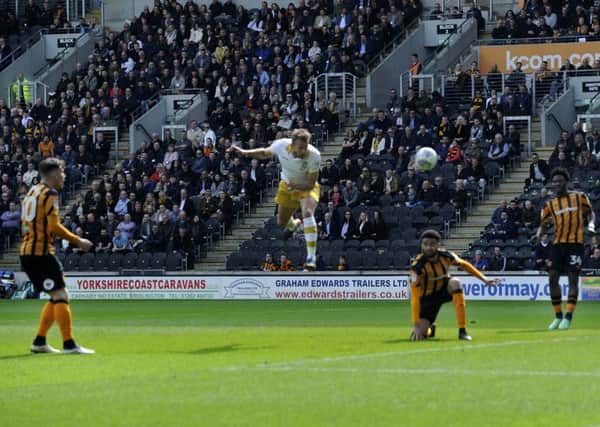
[194,133]
[208,134]
[256,24]
[170,156]
[221,90]
[314,51]
[127,64]
[30,174]
[171,35]
[196,34]
[550,17]
[378,143]
[178,81]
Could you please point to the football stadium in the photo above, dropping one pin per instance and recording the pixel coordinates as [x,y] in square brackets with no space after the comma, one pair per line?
[299,213]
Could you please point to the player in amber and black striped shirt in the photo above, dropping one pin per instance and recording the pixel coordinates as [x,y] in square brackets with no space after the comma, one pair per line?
[571,213]
[432,285]
[40,223]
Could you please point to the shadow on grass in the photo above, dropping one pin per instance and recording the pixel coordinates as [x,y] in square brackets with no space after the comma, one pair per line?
[227,349]
[16,356]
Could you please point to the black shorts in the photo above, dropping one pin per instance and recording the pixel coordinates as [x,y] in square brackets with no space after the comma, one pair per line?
[431,304]
[567,257]
[45,272]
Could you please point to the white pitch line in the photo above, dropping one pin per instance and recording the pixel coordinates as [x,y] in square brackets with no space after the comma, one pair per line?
[416,371]
[367,356]
[465,347]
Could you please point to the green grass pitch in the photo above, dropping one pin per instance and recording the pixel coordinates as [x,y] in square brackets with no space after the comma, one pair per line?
[256,363]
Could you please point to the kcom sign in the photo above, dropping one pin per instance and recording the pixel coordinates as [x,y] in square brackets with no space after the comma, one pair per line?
[532,55]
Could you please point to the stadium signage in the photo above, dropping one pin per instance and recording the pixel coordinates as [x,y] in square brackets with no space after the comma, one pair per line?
[590,288]
[531,56]
[435,32]
[64,42]
[296,286]
[182,104]
[446,28]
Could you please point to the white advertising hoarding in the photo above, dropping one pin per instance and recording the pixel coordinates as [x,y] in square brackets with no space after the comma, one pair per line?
[380,287]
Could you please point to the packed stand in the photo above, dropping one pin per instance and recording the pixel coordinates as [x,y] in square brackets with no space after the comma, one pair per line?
[173,201]
[515,222]
[539,19]
[258,69]
[374,203]
[34,15]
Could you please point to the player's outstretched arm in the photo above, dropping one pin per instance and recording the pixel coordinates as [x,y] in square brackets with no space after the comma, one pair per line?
[256,153]
[467,267]
[592,224]
[57,229]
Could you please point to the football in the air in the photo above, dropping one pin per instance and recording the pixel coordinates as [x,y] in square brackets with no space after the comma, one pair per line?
[425,159]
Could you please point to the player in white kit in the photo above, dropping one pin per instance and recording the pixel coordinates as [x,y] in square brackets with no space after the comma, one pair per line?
[298,187]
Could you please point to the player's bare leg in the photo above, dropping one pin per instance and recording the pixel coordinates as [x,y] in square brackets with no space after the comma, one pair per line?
[565,323]
[308,205]
[556,297]
[286,219]
[458,300]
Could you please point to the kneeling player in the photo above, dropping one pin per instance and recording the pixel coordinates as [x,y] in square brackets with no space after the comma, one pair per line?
[431,286]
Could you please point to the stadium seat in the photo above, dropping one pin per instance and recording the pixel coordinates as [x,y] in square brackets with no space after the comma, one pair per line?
[385,261]
[174,261]
[234,261]
[159,260]
[369,261]
[144,261]
[101,262]
[354,258]
[130,261]
[87,262]
[337,246]
[115,261]
[397,245]
[382,245]
[71,262]
[352,244]
[401,260]
[367,245]
[513,264]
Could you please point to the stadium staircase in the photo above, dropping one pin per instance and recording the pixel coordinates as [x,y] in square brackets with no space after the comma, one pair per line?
[215,259]
[512,183]
[10,258]
[508,188]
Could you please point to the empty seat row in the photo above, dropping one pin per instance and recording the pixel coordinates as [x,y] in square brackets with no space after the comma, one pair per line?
[172,261]
[355,259]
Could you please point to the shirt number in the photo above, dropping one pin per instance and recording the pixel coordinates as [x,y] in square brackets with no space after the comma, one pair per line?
[29,208]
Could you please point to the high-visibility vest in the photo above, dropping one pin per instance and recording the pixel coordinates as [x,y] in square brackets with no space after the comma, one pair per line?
[26,90]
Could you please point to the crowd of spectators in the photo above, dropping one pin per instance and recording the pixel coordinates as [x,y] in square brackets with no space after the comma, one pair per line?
[372,191]
[515,222]
[549,19]
[258,70]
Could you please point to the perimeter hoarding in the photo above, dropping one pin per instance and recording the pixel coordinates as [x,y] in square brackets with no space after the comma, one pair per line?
[532,55]
[521,287]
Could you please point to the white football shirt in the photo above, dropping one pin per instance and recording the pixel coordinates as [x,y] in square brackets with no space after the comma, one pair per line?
[295,170]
